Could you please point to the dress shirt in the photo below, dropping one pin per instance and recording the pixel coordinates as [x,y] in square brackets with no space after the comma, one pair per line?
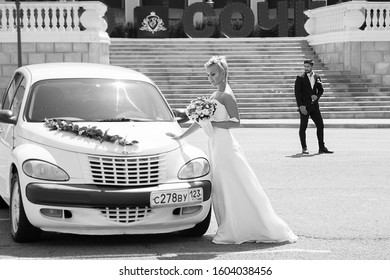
[312,80]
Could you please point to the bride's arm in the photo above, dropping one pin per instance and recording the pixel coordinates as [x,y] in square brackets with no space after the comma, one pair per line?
[230,103]
[194,127]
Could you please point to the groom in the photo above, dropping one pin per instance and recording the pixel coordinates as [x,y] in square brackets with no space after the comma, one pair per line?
[308,89]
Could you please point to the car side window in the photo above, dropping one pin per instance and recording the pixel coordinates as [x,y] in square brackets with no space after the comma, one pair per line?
[11,90]
[18,97]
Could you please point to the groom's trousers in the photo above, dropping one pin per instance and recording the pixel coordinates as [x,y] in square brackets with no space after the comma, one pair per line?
[315,114]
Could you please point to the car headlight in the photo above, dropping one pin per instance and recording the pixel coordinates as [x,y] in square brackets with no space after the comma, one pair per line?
[44,170]
[195,168]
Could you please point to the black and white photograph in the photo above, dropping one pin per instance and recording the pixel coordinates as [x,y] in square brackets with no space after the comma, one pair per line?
[195,139]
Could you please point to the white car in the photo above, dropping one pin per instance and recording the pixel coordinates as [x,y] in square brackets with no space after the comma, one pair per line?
[84,150]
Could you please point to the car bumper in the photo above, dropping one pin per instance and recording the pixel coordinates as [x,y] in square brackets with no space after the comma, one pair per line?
[102,196]
[93,209]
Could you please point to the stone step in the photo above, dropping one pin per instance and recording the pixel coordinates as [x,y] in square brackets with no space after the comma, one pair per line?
[291,99]
[275,67]
[248,92]
[292,103]
[323,108]
[219,44]
[207,53]
[295,60]
[325,115]
[234,78]
[200,71]
[262,75]
[210,42]
[204,56]
[273,84]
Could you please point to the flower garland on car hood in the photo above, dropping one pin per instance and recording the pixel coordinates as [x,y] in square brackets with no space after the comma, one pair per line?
[84,131]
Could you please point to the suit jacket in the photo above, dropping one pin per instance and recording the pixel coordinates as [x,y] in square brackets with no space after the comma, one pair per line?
[303,90]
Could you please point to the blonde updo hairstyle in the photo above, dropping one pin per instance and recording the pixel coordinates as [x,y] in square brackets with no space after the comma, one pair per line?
[220,61]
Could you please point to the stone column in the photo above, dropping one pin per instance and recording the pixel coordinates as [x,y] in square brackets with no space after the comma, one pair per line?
[254,9]
[198,18]
[129,9]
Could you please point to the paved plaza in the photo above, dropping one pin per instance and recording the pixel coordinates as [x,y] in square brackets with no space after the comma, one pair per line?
[338,204]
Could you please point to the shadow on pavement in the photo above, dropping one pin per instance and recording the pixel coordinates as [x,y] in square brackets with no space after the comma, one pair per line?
[300,155]
[160,246]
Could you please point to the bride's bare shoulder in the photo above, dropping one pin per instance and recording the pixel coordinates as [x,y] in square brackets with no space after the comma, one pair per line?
[228,96]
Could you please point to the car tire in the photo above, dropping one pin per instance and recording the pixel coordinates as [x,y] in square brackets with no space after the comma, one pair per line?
[21,229]
[199,229]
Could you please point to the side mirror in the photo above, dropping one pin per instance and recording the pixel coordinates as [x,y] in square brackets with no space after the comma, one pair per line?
[6,116]
[180,115]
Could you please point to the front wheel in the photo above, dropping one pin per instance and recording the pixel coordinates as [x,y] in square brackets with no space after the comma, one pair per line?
[21,229]
[199,229]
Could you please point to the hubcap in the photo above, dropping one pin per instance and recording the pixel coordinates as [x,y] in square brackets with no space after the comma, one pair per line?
[15,208]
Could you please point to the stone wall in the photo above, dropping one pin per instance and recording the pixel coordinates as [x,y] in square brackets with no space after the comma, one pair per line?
[46,52]
[368,58]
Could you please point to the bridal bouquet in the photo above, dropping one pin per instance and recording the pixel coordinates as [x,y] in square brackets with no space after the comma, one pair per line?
[201,110]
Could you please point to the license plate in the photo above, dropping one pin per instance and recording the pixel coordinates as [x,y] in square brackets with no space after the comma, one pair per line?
[176,197]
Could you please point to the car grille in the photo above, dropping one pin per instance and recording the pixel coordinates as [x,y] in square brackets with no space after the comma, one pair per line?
[126,171]
[125,214]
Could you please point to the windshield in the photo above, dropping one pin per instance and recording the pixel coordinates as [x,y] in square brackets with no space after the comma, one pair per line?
[96,100]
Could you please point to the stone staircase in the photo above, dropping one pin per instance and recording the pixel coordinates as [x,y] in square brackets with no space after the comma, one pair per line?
[262,75]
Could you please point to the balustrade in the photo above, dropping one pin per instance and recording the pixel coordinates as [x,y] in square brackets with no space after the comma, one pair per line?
[359,16]
[43,17]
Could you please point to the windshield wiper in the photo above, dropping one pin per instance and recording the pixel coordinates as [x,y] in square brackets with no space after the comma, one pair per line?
[125,120]
[72,119]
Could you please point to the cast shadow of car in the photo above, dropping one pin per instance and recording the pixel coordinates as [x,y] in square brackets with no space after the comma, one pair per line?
[171,246]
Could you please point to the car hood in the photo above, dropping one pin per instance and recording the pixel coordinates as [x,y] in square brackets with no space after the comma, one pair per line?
[151,137]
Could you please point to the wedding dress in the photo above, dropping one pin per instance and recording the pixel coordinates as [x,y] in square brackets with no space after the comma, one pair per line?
[242,209]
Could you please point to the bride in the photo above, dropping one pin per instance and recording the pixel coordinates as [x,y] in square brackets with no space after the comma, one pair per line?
[242,209]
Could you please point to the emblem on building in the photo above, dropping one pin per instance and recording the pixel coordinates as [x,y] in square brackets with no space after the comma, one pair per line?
[153,23]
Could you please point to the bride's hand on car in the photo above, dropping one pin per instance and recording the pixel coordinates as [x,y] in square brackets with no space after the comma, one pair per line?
[173,136]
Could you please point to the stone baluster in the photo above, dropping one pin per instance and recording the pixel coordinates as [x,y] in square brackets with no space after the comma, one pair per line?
[61,18]
[68,18]
[39,19]
[32,19]
[3,19]
[76,18]
[46,18]
[54,18]
[381,20]
[24,22]
[376,16]
[11,19]
[368,19]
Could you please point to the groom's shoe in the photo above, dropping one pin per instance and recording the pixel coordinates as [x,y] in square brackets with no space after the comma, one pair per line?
[305,151]
[324,150]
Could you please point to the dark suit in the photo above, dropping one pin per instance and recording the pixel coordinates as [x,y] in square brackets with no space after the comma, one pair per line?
[303,93]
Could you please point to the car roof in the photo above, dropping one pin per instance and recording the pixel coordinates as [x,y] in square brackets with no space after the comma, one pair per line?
[65,70]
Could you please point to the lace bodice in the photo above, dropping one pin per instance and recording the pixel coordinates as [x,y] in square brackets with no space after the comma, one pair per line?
[220,113]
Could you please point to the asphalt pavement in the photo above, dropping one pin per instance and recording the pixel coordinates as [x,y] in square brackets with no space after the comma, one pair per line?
[338,204]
